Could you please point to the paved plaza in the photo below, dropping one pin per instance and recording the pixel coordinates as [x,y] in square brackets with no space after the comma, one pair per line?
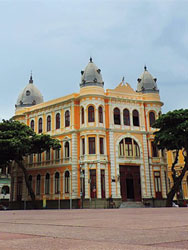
[130,228]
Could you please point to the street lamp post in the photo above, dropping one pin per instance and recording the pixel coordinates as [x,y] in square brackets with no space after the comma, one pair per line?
[82,187]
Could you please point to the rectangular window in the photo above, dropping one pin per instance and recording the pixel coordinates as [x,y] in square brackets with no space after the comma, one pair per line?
[157,179]
[101,142]
[154,150]
[57,154]
[91,145]
[128,147]
[83,146]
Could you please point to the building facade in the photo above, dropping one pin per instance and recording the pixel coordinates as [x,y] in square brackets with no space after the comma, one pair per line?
[107,144]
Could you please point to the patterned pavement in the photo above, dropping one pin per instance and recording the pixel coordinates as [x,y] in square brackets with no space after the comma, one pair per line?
[130,228]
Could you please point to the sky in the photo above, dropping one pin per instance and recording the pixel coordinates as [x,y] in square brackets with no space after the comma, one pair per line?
[55,39]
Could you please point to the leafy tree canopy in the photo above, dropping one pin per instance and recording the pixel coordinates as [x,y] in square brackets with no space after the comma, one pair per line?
[18,140]
[173,130]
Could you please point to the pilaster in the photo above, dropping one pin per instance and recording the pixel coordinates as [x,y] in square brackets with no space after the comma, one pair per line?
[74,166]
[98,181]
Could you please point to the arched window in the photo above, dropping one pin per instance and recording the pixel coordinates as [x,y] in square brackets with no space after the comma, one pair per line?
[32,125]
[5,190]
[129,148]
[82,115]
[126,117]
[135,118]
[66,149]
[100,114]
[40,125]
[57,121]
[151,118]
[47,184]
[48,123]
[67,118]
[56,183]
[91,114]
[91,142]
[117,119]
[38,184]
[67,183]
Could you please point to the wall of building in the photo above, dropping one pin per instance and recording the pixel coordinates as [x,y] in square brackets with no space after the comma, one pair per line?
[95,175]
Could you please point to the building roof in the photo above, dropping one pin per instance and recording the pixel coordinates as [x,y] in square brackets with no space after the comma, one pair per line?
[29,96]
[91,76]
[146,82]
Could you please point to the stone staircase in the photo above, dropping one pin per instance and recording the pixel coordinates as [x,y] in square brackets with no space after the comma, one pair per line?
[131,204]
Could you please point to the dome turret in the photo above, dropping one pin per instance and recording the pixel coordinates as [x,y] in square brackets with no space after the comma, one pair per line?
[29,96]
[146,83]
[91,76]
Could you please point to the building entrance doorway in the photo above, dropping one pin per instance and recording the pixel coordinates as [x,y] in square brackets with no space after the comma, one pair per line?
[130,183]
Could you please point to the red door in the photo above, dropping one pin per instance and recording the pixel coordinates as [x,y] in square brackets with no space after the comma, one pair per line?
[130,183]
[103,184]
[93,188]
[157,179]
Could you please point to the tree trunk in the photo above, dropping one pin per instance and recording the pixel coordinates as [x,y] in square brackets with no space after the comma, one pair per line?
[173,191]
[30,190]
[175,188]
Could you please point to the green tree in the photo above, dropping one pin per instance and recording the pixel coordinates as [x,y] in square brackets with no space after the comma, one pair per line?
[17,141]
[172,134]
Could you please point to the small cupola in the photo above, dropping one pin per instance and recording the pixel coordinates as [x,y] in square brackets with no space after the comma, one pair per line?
[91,76]
[29,96]
[146,83]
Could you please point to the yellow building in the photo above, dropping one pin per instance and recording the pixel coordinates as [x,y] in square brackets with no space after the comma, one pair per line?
[106,137]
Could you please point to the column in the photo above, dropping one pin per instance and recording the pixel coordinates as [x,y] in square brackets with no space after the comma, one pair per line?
[118,181]
[112,161]
[148,185]
[97,146]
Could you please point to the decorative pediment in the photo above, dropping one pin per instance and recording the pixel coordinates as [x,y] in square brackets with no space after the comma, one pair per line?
[124,88]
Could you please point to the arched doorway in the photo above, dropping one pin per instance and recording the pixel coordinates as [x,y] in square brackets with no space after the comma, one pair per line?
[129,174]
